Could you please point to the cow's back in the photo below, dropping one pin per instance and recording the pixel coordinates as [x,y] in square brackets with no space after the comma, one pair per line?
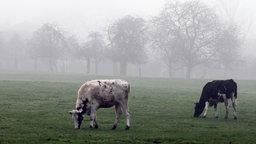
[104,92]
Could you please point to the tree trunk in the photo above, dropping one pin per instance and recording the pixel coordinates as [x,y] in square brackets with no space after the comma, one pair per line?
[115,68]
[188,72]
[63,66]
[139,71]
[204,72]
[35,64]
[88,65]
[15,63]
[51,65]
[96,66]
[170,68]
[123,68]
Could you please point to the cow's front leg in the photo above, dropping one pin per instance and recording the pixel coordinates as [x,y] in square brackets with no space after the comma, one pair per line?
[93,118]
[216,111]
[234,104]
[206,109]
[118,113]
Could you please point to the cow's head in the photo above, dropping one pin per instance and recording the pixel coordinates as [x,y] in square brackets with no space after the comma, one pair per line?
[198,109]
[78,117]
[77,114]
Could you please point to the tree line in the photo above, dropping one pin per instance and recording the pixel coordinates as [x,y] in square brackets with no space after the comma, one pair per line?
[184,35]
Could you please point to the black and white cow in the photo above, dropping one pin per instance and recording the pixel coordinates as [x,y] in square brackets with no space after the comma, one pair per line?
[96,94]
[214,92]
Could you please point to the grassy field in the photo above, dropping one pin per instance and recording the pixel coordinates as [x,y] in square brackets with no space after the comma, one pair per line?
[34,109]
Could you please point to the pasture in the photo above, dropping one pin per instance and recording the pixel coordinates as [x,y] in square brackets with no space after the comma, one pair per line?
[34,109]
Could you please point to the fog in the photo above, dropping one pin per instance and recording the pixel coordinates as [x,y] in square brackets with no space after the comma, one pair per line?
[212,39]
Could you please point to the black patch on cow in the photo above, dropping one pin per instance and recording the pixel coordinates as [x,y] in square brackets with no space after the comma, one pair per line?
[79,119]
[99,83]
[85,105]
[212,102]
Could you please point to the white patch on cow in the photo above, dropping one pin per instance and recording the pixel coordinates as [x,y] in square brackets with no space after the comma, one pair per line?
[206,108]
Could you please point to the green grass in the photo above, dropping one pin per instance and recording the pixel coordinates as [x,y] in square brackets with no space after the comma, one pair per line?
[34,109]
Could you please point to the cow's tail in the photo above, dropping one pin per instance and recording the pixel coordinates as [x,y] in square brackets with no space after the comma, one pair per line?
[127,91]
[128,88]
[235,90]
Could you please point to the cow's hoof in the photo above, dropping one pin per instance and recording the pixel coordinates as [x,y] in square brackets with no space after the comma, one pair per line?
[235,118]
[96,126]
[216,117]
[91,126]
[204,117]
[226,118]
[114,127]
[127,127]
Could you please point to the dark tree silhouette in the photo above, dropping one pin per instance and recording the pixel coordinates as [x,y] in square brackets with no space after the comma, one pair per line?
[127,42]
[48,42]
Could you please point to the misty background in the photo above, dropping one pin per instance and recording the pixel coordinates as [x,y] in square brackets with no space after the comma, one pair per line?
[150,38]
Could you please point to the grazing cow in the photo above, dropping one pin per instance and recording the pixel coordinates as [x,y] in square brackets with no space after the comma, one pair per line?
[214,92]
[96,94]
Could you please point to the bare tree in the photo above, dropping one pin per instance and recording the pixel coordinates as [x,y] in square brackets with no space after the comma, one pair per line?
[16,48]
[231,9]
[71,47]
[48,42]
[92,49]
[127,41]
[97,44]
[228,43]
[165,37]
[191,30]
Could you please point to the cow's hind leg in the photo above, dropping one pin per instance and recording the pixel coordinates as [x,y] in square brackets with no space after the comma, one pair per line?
[125,109]
[234,104]
[118,113]
[226,105]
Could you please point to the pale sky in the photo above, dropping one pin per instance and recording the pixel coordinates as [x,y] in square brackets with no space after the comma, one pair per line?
[75,16]
[79,17]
